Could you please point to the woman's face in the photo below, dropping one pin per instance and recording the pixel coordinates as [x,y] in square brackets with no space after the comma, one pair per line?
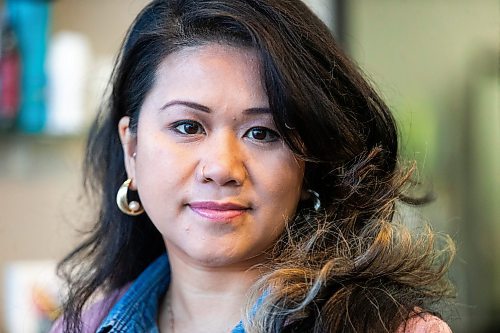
[211,170]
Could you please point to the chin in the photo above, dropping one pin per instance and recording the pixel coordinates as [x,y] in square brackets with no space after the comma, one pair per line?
[225,258]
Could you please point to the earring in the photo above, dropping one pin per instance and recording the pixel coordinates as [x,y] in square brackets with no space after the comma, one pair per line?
[132,208]
[315,199]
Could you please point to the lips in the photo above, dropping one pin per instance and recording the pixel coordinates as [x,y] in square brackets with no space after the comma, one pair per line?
[218,211]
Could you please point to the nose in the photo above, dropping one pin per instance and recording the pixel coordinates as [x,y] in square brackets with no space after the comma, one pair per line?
[223,161]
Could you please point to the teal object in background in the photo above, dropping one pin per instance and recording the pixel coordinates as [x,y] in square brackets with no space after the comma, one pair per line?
[31,19]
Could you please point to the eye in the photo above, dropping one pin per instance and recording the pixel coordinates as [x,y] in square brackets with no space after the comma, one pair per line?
[262,134]
[188,127]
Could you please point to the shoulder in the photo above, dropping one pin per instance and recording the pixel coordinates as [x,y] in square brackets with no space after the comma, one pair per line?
[424,323]
[95,314]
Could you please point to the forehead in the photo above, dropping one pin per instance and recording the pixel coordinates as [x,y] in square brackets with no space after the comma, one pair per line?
[243,61]
[212,72]
[216,50]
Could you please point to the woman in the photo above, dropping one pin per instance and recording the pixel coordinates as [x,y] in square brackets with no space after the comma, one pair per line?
[255,155]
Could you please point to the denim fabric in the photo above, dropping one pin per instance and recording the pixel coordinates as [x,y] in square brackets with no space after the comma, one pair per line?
[137,310]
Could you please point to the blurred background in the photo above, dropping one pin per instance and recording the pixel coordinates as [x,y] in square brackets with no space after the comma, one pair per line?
[436,62]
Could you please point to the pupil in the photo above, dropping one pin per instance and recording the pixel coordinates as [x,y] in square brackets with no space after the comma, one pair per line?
[191,128]
[259,134]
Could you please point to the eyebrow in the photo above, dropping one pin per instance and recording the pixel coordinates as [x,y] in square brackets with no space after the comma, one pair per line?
[191,105]
[203,108]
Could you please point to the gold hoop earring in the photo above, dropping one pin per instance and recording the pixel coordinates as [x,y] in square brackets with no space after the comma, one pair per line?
[132,208]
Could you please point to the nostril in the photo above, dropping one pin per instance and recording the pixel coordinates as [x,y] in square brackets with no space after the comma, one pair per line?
[203,177]
[222,174]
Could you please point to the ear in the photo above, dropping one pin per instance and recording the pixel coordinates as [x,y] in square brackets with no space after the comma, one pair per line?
[129,145]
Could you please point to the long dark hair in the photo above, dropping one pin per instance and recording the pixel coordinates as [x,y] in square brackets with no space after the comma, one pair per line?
[331,264]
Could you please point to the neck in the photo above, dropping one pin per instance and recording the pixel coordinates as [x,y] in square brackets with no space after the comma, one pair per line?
[205,299]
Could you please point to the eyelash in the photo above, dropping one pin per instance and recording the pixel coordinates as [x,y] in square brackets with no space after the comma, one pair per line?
[175,126]
[269,134]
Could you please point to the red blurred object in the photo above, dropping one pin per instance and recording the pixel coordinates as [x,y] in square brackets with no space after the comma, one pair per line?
[10,72]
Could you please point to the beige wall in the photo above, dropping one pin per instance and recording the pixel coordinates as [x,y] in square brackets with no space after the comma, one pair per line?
[104,22]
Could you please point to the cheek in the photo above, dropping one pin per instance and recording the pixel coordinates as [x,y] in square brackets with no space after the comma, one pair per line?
[158,158]
[281,184]
[160,172]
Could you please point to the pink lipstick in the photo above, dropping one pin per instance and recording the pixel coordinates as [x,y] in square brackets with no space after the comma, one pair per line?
[217,211]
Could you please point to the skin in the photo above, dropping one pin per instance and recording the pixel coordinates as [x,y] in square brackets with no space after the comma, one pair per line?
[215,178]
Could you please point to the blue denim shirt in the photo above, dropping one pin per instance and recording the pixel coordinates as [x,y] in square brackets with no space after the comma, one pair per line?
[137,310]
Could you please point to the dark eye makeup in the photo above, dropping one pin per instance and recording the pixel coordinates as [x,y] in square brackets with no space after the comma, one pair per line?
[188,127]
[262,134]
[257,133]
